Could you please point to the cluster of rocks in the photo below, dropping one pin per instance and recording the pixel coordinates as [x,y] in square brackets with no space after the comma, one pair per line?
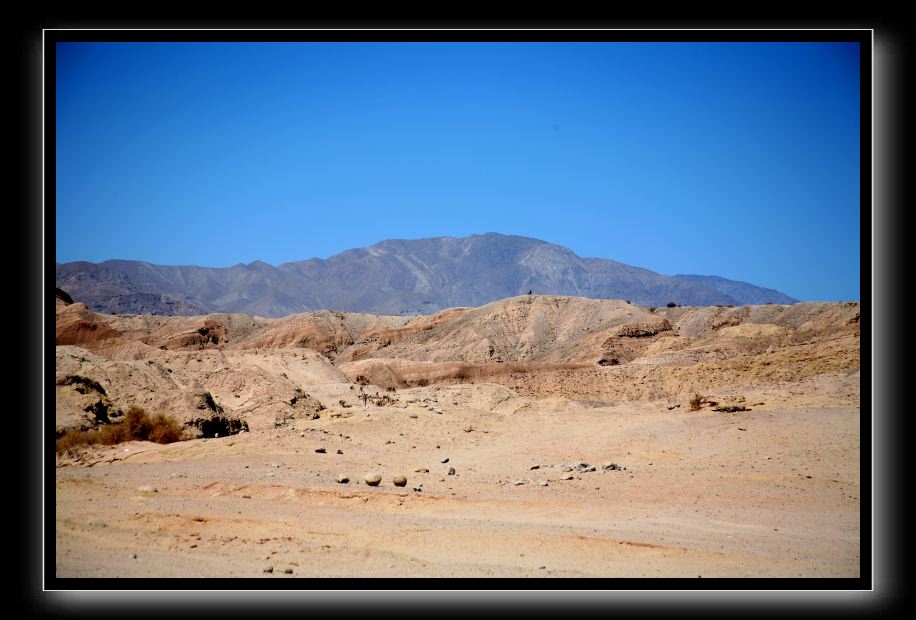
[427,403]
[568,470]
[373,479]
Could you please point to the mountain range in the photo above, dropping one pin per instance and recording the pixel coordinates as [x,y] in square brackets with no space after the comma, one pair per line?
[392,277]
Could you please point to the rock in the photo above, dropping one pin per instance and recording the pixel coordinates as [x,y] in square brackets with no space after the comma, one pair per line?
[534,467]
[288,570]
[321,450]
[421,470]
[542,483]
[269,569]
[399,481]
[451,471]
[302,434]
[372,479]
[147,489]
[468,429]
[414,415]
[343,478]
[132,556]
[611,467]
[567,477]
[518,482]
[445,460]
[339,451]
[418,489]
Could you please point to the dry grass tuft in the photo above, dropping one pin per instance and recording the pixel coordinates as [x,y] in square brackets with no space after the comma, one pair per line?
[137,425]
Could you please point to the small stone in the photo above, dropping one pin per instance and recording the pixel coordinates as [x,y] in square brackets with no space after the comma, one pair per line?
[542,483]
[567,477]
[373,479]
[269,569]
[534,467]
[132,556]
[399,481]
[302,434]
[339,451]
[421,470]
[321,450]
[343,478]
[275,465]
[414,415]
[451,471]
[288,570]
[417,489]
[445,460]
[148,489]
[468,429]
[518,482]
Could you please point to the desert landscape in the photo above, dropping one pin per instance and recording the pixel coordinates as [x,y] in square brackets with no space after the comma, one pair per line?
[533,436]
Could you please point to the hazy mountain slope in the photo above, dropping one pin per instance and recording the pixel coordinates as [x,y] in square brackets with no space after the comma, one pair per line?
[394,277]
[747,293]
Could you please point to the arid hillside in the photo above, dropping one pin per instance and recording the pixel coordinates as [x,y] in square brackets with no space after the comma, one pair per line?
[540,346]
[533,436]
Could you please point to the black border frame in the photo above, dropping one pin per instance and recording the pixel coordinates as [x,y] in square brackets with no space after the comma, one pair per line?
[554,32]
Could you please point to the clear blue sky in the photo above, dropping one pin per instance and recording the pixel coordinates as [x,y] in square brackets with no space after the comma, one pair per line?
[739,160]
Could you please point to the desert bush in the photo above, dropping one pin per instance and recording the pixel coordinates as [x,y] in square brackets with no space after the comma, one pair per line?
[423,382]
[391,388]
[671,304]
[362,380]
[136,425]
[652,308]
[696,402]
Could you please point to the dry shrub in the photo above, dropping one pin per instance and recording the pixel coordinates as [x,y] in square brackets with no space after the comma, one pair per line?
[137,425]
[696,402]
[423,382]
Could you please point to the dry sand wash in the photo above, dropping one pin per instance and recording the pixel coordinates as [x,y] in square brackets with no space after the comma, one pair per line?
[523,396]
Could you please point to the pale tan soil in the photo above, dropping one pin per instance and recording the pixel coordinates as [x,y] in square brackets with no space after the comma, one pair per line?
[704,493]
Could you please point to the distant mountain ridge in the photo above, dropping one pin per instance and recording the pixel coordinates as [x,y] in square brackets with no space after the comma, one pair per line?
[394,277]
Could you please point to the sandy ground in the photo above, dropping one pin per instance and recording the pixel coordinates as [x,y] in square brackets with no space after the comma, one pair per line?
[514,394]
[769,492]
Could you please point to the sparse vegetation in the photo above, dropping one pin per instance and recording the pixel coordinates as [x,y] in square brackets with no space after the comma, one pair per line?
[696,402]
[137,425]
[422,382]
[671,304]
[652,309]
[362,380]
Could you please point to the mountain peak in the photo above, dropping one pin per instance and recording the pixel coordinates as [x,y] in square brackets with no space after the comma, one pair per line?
[398,277]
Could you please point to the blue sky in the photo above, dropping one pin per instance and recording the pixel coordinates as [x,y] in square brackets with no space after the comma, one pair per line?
[739,160]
